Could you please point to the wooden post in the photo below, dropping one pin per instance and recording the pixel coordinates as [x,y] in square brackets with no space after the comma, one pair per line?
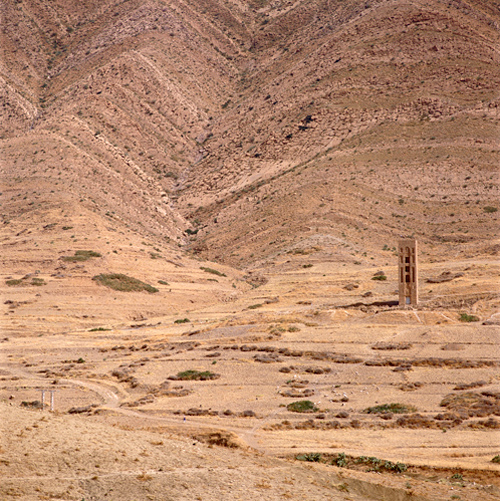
[43,399]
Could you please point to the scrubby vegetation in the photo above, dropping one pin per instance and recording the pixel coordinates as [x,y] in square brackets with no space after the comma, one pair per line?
[13,282]
[81,255]
[473,404]
[302,406]
[123,283]
[37,282]
[314,457]
[395,408]
[342,460]
[192,375]
[379,464]
[465,317]
[214,272]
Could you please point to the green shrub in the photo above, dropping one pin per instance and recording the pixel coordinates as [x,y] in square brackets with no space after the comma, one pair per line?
[181,321]
[81,255]
[340,460]
[255,306]
[80,361]
[123,283]
[302,406]
[464,317]
[394,408]
[162,282]
[98,329]
[38,281]
[496,459]
[378,464]
[489,209]
[214,272]
[379,277]
[313,457]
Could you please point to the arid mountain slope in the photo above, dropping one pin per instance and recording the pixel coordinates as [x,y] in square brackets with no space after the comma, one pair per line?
[384,121]
[290,119]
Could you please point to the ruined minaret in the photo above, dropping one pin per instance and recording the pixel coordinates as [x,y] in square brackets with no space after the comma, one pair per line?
[408,272]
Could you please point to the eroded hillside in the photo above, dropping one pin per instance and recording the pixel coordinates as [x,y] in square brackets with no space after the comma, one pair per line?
[259,126]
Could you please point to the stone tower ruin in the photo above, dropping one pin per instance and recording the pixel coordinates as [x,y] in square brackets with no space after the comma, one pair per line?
[408,272]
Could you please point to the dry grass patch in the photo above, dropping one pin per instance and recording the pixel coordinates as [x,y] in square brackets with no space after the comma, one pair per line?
[123,283]
[24,282]
[81,255]
[394,408]
[473,404]
[192,375]
[220,438]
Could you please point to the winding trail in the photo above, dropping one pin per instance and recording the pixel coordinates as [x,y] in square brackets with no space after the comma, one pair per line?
[111,400]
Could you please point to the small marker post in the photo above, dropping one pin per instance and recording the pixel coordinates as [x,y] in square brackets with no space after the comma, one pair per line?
[52,400]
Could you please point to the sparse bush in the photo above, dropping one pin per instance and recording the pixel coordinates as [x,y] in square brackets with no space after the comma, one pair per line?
[81,255]
[313,457]
[465,317]
[98,329]
[37,282]
[379,464]
[35,404]
[489,209]
[214,272]
[473,404]
[181,321]
[192,375]
[496,459]
[302,406]
[162,282]
[393,407]
[379,277]
[123,283]
[14,282]
[255,306]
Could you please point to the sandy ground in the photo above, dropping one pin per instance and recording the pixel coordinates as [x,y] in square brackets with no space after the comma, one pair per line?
[135,431]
